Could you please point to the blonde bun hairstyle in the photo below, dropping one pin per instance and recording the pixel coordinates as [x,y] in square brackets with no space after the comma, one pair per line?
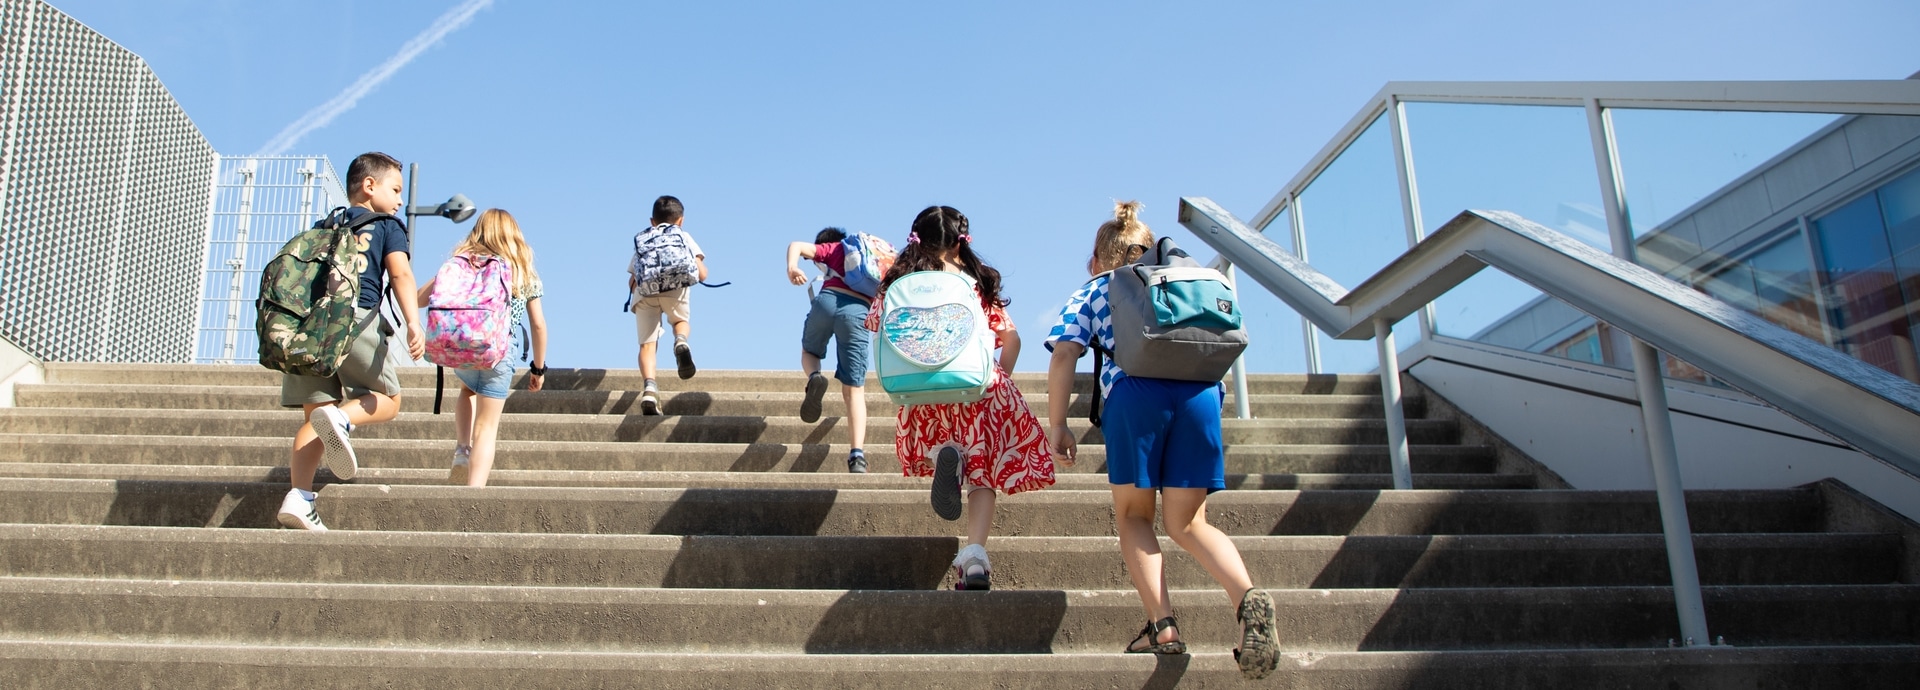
[1121,240]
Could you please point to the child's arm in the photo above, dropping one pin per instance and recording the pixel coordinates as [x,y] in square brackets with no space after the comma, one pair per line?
[426,290]
[537,325]
[1059,393]
[400,272]
[1009,349]
[702,261]
[795,251]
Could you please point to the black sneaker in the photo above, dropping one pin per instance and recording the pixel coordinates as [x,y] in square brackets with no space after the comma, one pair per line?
[946,484]
[816,389]
[683,356]
[857,462]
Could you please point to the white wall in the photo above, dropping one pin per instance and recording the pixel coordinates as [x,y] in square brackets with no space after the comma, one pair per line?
[16,366]
[1581,421]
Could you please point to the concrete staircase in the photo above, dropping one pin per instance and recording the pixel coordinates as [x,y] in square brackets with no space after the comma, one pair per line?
[723,545]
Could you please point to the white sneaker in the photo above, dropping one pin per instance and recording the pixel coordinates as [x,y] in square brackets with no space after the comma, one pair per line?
[971,569]
[649,402]
[331,425]
[462,467]
[297,512]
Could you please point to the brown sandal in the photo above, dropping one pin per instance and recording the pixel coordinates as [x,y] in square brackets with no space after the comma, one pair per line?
[1151,633]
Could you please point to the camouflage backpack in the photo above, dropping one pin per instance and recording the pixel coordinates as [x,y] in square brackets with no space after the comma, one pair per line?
[307,296]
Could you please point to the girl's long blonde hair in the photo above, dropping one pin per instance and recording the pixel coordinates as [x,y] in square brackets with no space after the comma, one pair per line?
[496,233]
[1120,241]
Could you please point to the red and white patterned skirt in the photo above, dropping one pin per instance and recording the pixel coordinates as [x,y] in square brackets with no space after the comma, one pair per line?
[1005,446]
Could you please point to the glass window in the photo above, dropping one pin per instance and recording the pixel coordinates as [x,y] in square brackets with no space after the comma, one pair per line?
[1852,238]
[1900,209]
[1866,304]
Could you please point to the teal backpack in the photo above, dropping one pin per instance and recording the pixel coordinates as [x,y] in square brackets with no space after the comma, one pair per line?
[936,344]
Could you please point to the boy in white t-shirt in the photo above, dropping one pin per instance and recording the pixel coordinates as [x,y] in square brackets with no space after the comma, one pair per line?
[674,304]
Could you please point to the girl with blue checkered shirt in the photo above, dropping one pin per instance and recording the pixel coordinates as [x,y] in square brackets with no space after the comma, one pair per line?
[1162,437]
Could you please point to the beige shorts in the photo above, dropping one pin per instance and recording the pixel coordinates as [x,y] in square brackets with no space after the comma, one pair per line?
[673,304]
[368,368]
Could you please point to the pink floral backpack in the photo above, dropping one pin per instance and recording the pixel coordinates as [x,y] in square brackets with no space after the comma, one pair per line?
[469,315]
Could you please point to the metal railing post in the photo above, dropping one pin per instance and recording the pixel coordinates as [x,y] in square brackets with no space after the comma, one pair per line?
[1242,408]
[1390,395]
[237,262]
[1662,454]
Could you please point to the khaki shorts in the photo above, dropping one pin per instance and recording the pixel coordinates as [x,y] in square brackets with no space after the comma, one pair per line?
[368,368]
[674,304]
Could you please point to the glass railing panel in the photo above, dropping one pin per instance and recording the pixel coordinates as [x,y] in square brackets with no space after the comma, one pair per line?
[1352,220]
[1809,221]
[1274,342]
[1533,160]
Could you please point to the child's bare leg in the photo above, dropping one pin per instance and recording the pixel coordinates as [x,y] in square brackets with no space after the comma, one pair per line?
[1186,519]
[809,364]
[463,418]
[647,352]
[1140,550]
[856,399]
[486,431]
[681,329]
[372,408]
[979,515]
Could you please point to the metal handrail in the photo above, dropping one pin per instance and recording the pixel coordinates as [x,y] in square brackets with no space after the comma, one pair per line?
[1860,405]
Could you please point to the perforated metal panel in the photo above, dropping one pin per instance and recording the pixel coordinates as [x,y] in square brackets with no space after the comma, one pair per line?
[104,186]
[259,203]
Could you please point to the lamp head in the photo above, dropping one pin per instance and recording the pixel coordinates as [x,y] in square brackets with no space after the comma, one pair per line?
[457,209]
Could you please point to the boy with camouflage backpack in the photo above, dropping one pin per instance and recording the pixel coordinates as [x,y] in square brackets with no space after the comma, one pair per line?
[320,324]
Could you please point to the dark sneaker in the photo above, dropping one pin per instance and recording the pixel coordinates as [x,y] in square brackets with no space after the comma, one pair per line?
[330,424]
[683,357]
[297,512]
[649,402]
[1259,651]
[810,406]
[857,463]
[946,484]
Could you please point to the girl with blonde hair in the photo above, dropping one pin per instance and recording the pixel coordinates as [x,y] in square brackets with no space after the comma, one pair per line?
[1163,442]
[483,392]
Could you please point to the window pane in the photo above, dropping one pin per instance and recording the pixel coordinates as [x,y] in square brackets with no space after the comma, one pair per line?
[1351,214]
[1852,238]
[1900,208]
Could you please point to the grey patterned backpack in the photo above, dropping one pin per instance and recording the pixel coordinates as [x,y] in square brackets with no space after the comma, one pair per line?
[662,260]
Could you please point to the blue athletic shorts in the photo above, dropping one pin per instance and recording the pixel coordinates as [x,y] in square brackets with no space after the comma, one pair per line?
[842,318]
[1163,434]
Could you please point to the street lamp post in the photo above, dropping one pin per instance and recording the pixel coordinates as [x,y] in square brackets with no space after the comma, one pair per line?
[457,208]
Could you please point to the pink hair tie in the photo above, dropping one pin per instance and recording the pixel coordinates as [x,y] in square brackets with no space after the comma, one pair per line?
[964,237]
[913,239]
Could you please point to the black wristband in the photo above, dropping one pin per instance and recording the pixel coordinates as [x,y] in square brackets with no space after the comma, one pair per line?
[537,371]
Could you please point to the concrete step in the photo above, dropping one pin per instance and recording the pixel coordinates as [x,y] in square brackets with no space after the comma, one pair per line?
[1245,458]
[672,429]
[909,622]
[617,402]
[879,478]
[853,512]
[907,563]
[38,664]
[420,379]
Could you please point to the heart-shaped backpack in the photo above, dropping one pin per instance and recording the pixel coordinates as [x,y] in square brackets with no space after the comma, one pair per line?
[936,347]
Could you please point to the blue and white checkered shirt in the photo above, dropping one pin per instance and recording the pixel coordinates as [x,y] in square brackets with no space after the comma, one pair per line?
[1086,316]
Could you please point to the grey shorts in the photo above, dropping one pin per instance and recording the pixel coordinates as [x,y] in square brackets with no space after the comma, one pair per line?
[368,368]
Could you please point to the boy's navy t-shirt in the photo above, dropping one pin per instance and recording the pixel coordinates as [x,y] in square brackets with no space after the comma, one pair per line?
[388,236]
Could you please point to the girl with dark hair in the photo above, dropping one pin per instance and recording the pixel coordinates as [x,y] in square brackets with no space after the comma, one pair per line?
[975,449]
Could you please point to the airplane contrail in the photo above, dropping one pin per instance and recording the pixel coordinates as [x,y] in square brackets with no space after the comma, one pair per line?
[324,114]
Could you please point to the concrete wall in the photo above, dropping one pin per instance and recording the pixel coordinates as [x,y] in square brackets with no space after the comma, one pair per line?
[1582,422]
[16,367]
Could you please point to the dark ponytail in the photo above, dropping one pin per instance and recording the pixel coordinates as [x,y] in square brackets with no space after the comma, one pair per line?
[934,230]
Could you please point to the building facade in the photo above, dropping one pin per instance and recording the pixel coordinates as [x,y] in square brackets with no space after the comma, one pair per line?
[105,191]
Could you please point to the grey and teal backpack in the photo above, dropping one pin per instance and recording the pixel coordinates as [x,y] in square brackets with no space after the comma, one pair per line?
[1172,319]
[307,296]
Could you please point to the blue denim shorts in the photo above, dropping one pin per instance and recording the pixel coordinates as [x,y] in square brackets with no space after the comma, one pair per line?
[496,382]
[842,318]
[1164,434]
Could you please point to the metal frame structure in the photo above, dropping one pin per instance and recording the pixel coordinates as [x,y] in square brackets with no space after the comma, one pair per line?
[1761,358]
[259,202]
[103,196]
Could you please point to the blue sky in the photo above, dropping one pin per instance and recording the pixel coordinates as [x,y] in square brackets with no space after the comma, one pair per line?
[771,120]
